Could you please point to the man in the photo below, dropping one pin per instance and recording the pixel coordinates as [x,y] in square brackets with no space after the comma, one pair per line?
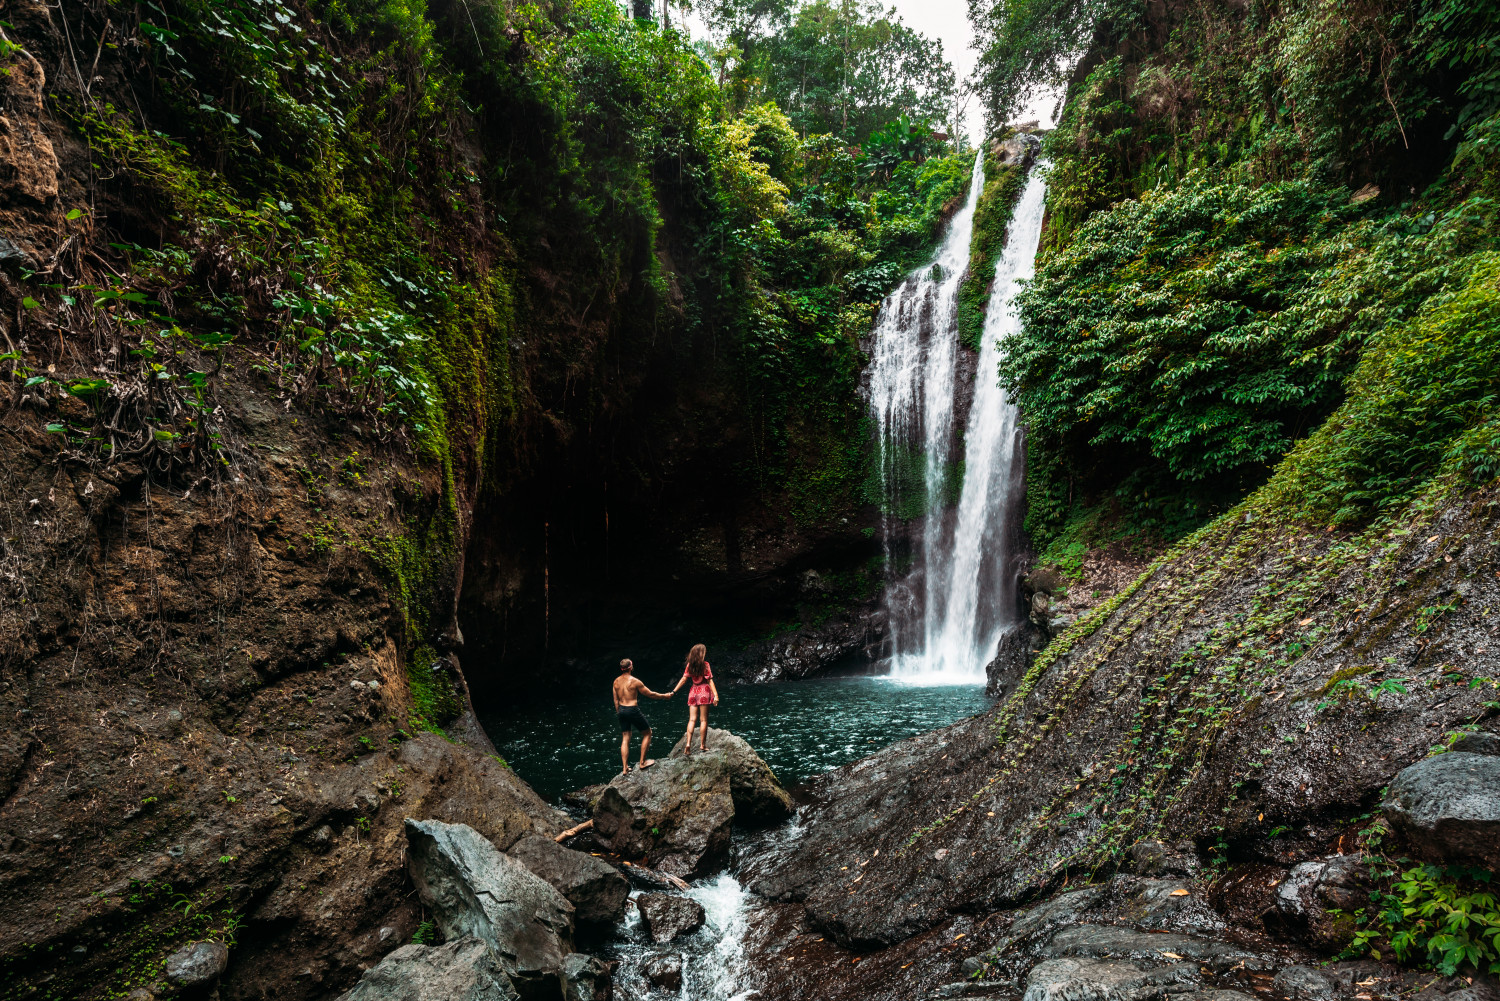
[628,688]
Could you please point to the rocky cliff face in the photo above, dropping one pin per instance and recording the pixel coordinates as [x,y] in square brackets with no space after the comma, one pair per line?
[1248,699]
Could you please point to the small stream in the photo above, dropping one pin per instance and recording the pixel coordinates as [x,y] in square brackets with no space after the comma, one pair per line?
[801,728]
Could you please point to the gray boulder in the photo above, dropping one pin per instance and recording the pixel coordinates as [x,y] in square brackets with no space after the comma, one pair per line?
[462,970]
[1477,743]
[1305,982]
[758,797]
[675,816]
[1449,806]
[596,889]
[1105,980]
[1317,897]
[667,917]
[474,891]
[585,978]
[197,964]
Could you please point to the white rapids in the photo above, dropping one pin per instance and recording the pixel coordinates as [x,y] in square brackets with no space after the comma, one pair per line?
[946,615]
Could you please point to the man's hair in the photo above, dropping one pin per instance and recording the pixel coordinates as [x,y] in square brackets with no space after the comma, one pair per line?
[626,664]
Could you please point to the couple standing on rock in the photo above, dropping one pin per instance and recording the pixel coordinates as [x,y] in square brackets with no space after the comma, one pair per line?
[628,689]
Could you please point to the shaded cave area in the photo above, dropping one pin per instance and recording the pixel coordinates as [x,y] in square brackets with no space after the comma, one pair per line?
[561,582]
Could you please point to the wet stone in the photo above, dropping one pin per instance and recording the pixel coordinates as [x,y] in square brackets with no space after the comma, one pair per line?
[197,964]
[1305,982]
[665,973]
[462,970]
[1106,980]
[1449,806]
[667,917]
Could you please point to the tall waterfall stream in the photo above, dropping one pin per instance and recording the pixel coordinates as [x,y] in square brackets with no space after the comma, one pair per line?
[948,612]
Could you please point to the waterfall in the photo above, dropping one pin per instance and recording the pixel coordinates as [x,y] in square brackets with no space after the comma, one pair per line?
[947,614]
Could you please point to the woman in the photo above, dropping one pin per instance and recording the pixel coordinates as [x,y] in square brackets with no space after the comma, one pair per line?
[702,695]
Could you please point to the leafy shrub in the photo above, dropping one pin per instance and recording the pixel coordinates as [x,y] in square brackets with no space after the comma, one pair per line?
[1425,389]
[1444,917]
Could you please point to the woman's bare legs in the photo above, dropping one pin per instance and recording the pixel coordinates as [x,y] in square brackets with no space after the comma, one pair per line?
[702,729]
[687,748]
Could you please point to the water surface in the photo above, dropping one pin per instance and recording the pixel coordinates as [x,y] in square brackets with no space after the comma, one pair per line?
[800,728]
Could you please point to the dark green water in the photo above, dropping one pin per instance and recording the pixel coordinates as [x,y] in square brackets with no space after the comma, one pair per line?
[800,728]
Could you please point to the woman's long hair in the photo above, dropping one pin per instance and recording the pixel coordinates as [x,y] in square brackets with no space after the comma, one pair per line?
[697,662]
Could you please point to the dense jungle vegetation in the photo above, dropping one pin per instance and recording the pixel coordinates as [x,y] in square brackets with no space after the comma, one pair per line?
[1272,240]
[520,238]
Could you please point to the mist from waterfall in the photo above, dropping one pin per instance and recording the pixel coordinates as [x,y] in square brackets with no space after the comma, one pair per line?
[955,487]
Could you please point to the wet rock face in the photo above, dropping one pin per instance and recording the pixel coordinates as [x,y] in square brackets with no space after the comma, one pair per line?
[586,978]
[197,965]
[1104,980]
[1306,897]
[596,890]
[758,796]
[1477,743]
[475,891]
[462,970]
[973,818]
[675,815]
[667,916]
[1015,653]
[1449,805]
[851,638]
[1305,982]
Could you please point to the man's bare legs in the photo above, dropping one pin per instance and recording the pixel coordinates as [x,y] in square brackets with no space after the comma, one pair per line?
[625,751]
[702,729]
[645,743]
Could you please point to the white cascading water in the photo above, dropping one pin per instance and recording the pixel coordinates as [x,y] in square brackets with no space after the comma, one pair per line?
[947,615]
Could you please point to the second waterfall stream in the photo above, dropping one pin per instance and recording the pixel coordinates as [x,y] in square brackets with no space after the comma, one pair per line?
[951,475]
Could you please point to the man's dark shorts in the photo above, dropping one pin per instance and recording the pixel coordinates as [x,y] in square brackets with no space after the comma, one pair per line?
[631,716]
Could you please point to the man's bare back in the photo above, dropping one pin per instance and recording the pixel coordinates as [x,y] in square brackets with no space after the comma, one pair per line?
[627,690]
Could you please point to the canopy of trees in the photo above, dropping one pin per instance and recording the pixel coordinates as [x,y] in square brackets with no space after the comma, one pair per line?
[845,67]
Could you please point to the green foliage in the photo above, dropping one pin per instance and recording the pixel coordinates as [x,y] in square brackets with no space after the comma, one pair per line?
[1196,326]
[1441,917]
[1033,43]
[1228,231]
[1426,390]
[842,67]
[435,699]
[996,205]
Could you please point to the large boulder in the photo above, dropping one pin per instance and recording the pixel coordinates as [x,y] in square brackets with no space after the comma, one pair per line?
[667,916]
[462,970]
[758,797]
[676,815]
[596,889]
[475,891]
[1449,805]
